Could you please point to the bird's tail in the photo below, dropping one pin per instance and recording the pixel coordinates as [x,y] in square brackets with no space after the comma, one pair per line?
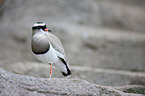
[66,71]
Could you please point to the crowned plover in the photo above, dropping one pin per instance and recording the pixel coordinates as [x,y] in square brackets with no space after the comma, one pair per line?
[48,48]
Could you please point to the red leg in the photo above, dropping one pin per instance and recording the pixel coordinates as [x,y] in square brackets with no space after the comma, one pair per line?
[50,71]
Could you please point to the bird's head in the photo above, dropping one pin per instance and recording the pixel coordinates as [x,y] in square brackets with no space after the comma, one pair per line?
[40,26]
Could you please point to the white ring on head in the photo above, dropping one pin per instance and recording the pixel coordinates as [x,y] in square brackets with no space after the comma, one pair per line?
[36,24]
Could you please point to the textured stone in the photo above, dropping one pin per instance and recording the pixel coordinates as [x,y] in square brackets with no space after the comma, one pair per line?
[106,77]
[77,26]
[115,55]
[21,85]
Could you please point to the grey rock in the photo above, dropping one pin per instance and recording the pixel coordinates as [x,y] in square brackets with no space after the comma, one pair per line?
[132,88]
[22,85]
[84,42]
[127,15]
[105,48]
[106,77]
[97,53]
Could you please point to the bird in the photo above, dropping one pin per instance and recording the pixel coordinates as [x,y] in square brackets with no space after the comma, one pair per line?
[47,48]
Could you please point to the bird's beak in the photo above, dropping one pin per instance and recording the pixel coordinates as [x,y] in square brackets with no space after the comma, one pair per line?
[46,29]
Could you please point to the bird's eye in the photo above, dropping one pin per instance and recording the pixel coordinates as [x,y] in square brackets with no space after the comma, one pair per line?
[43,27]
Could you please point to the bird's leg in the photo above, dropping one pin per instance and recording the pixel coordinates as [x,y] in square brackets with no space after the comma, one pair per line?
[50,71]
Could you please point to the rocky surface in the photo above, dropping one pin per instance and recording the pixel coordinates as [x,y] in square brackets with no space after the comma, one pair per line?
[106,77]
[87,41]
[104,40]
[21,85]
[105,48]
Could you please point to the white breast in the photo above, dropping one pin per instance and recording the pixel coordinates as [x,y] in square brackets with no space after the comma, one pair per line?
[49,57]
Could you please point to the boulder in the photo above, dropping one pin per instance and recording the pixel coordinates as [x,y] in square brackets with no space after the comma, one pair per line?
[22,85]
[104,40]
[106,77]
[83,28]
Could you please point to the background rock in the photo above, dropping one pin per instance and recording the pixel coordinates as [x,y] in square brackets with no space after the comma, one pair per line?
[104,40]
[106,77]
[18,85]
